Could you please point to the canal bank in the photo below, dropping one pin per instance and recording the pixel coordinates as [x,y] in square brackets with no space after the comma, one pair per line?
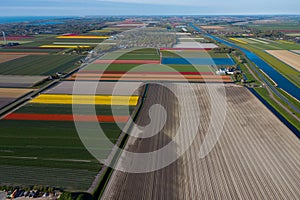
[280,111]
[281,81]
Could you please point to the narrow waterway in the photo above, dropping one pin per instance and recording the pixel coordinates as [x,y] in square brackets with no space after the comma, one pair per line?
[281,81]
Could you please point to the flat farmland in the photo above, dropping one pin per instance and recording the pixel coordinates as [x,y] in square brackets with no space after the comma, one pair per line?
[8,95]
[28,50]
[141,62]
[212,27]
[287,57]
[277,26]
[86,99]
[197,61]
[20,81]
[51,46]
[13,92]
[14,41]
[40,140]
[296,51]
[256,156]
[265,44]
[134,54]
[292,74]
[39,65]
[83,37]
[193,54]
[33,108]
[104,88]
[154,77]
[74,40]
[194,44]
[48,40]
[9,57]
[255,40]
[21,52]
[33,146]
[149,68]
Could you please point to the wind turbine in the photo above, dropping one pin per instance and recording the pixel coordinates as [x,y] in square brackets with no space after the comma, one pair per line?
[4,38]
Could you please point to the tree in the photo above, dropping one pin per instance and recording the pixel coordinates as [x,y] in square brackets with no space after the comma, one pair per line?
[65,196]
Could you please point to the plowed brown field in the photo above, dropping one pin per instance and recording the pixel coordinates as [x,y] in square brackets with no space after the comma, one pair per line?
[256,157]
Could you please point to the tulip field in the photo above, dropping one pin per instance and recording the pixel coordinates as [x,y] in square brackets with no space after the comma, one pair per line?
[64,46]
[134,65]
[82,37]
[41,139]
[86,99]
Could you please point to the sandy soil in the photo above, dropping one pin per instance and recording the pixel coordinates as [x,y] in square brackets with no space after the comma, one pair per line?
[290,58]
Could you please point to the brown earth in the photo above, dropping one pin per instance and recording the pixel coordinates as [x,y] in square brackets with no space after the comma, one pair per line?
[256,157]
[13,92]
[290,58]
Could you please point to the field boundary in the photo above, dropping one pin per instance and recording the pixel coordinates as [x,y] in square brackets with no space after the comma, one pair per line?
[98,186]
[282,60]
[275,112]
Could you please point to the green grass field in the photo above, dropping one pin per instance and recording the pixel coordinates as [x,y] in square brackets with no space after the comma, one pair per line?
[139,54]
[39,65]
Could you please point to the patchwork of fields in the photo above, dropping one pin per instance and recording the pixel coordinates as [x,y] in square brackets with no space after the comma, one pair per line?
[198,61]
[9,95]
[157,65]
[39,143]
[34,137]
[40,139]
[20,81]
[103,88]
[260,50]
[39,65]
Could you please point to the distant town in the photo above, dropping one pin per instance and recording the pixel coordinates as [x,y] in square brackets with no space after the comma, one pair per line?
[228,94]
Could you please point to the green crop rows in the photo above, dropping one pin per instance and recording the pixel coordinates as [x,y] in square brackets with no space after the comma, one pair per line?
[53,146]
[39,65]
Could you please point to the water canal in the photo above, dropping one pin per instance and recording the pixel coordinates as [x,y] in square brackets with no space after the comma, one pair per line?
[281,81]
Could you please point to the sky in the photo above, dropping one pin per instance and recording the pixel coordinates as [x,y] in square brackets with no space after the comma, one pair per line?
[146,7]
